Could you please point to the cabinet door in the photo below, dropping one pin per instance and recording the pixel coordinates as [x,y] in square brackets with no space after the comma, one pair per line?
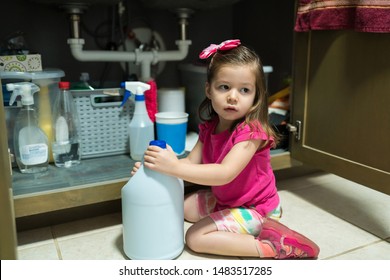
[341,99]
[7,217]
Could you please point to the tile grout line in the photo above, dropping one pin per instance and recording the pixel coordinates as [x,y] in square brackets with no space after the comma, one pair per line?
[88,232]
[56,244]
[355,249]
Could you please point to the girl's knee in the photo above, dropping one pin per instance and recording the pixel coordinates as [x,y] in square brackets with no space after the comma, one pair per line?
[196,236]
[188,239]
[192,239]
[191,212]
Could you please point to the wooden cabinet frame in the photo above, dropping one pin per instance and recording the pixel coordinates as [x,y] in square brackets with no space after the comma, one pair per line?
[341,96]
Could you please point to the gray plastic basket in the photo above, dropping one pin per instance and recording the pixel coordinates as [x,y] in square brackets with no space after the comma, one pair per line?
[103,123]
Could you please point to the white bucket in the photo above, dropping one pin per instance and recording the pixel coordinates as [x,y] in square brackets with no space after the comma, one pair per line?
[171,100]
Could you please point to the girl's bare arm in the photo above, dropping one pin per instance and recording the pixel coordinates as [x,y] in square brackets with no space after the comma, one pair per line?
[190,169]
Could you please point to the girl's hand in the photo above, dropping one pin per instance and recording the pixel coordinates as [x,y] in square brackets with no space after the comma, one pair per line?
[135,167]
[161,160]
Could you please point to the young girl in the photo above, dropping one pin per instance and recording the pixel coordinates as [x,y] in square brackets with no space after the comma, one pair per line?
[237,217]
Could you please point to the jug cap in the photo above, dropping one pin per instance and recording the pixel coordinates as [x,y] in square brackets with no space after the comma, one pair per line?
[159,143]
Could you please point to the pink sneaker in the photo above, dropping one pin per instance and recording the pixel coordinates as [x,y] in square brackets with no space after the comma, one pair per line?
[286,242]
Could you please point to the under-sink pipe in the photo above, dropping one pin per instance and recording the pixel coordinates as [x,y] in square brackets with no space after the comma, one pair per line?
[144,58]
[76,47]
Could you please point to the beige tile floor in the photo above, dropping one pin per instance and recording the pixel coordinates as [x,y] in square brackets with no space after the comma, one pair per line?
[348,221]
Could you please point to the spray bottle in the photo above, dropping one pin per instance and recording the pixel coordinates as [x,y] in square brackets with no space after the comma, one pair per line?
[141,128]
[30,142]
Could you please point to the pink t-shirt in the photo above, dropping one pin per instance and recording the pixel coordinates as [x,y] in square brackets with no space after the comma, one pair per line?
[255,185]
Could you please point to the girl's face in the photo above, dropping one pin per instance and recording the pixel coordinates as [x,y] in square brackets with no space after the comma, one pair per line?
[232,93]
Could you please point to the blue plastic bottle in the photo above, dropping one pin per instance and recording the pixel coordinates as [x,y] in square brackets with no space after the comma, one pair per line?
[153,214]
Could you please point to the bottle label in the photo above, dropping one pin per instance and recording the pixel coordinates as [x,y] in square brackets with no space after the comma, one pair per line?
[34,154]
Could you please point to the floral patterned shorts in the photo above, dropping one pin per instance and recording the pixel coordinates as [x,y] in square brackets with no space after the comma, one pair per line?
[239,220]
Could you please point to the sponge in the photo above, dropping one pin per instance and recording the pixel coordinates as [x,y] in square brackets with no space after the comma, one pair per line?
[151,100]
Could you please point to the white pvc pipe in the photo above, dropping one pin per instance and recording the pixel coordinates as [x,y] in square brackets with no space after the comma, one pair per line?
[146,58]
[76,47]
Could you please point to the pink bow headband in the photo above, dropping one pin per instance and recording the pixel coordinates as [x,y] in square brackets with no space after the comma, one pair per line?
[224,46]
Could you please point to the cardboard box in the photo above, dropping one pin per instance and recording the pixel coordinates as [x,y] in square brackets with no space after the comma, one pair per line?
[21,63]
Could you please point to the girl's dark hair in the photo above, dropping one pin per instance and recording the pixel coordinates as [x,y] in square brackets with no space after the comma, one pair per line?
[258,113]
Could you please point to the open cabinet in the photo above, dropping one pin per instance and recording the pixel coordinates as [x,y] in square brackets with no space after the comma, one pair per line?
[340,122]
[341,105]
[340,93]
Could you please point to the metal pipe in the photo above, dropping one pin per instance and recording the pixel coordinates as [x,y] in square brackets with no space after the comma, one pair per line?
[75,26]
[183,28]
[183,14]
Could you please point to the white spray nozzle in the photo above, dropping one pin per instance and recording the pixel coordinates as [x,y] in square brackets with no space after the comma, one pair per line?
[25,89]
[137,88]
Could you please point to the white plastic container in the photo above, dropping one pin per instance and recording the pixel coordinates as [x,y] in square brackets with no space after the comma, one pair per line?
[47,80]
[66,142]
[171,100]
[30,142]
[153,215]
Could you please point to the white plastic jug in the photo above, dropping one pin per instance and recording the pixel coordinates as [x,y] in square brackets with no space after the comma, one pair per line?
[153,215]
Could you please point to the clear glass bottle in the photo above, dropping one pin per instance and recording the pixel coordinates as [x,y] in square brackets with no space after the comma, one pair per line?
[66,143]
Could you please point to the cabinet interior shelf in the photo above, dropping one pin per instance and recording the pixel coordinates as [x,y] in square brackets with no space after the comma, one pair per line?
[95,180]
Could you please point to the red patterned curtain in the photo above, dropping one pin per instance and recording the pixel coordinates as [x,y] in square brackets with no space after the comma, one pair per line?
[358,15]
